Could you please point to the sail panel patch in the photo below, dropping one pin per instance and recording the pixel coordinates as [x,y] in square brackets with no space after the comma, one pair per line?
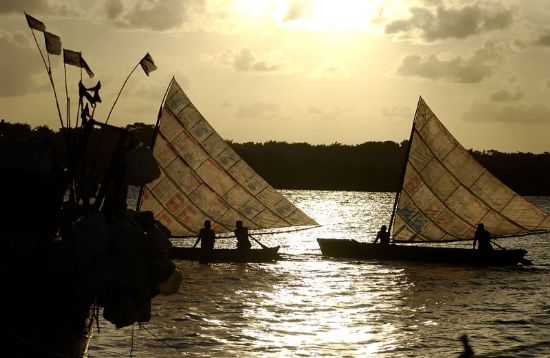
[205,179]
[446,192]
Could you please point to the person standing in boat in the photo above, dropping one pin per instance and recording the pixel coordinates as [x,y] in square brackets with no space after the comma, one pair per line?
[482,238]
[383,235]
[241,233]
[207,237]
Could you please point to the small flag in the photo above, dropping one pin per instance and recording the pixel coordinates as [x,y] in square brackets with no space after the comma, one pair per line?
[71,57]
[147,64]
[53,43]
[84,92]
[35,23]
[74,58]
[85,66]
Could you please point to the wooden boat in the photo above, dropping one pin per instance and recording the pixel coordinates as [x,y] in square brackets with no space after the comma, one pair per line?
[445,193]
[39,279]
[456,256]
[203,178]
[226,255]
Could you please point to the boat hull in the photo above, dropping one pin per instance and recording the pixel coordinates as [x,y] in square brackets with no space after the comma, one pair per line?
[226,255]
[357,250]
[47,310]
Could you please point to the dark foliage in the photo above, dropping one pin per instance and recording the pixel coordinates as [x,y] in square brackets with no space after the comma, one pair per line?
[371,166]
[376,166]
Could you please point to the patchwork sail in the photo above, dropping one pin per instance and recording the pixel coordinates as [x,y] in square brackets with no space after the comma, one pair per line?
[446,192]
[203,178]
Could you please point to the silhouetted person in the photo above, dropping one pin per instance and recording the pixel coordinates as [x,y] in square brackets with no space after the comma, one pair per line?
[468,351]
[241,233]
[482,238]
[383,236]
[206,237]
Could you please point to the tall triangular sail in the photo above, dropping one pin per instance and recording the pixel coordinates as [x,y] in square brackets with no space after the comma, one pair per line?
[446,192]
[203,178]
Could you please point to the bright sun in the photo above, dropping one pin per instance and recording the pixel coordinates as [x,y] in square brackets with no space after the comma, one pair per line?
[315,15]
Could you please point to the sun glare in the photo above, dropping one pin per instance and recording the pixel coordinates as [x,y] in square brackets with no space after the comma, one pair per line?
[315,15]
[335,16]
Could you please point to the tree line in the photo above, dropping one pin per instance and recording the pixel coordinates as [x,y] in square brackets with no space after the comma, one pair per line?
[370,166]
[376,166]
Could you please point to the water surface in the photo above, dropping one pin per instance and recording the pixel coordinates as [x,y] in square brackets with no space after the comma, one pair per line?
[307,305]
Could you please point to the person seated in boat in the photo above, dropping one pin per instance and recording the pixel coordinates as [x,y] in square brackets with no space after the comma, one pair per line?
[383,235]
[241,233]
[482,238]
[206,236]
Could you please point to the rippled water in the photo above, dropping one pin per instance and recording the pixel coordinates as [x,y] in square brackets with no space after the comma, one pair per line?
[307,305]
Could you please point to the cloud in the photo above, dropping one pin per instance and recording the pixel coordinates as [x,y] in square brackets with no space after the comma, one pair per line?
[156,15]
[397,112]
[329,71]
[506,96]
[297,9]
[18,64]
[113,8]
[259,110]
[19,6]
[246,61]
[51,7]
[470,70]
[517,113]
[543,40]
[329,114]
[452,22]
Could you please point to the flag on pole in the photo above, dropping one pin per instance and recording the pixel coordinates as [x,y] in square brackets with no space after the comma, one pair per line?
[74,58]
[84,92]
[53,43]
[85,66]
[35,23]
[147,64]
[71,57]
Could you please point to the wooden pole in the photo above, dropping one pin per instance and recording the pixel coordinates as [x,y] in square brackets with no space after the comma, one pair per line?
[68,103]
[264,233]
[262,245]
[47,66]
[120,91]
[79,103]
[403,172]
[93,110]
[153,138]
[497,245]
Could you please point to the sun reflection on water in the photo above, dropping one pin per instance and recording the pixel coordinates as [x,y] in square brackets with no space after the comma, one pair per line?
[307,305]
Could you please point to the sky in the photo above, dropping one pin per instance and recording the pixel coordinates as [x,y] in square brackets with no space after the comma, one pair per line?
[316,71]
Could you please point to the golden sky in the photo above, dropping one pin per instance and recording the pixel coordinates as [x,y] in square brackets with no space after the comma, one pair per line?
[317,71]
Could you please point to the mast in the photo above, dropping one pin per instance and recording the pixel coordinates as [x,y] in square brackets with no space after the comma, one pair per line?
[403,171]
[153,139]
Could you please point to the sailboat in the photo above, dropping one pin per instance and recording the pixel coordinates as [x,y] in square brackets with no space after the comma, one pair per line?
[203,178]
[444,194]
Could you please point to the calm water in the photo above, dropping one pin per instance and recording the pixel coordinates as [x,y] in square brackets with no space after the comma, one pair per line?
[306,305]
